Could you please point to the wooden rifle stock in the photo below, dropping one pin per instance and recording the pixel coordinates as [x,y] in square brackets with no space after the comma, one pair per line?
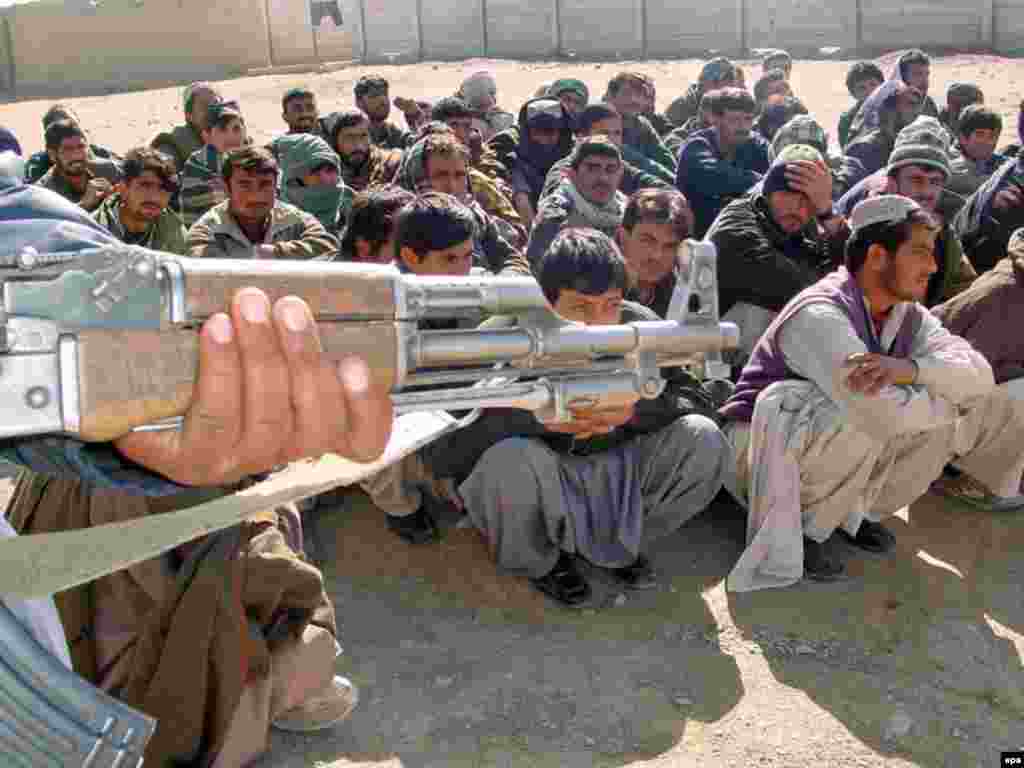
[156,372]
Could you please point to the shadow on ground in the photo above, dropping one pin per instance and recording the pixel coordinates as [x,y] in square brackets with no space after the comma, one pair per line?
[918,654]
[460,665]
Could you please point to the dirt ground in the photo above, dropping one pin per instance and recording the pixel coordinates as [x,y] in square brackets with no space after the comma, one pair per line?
[124,120]
[915,660]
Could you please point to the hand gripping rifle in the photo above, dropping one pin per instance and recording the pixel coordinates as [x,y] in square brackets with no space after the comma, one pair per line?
[99,342]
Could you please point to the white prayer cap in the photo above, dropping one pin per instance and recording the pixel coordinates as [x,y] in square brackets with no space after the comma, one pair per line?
[884,209]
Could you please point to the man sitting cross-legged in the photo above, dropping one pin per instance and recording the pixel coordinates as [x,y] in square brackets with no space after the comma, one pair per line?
[989,315]
[602,486]
[854,401]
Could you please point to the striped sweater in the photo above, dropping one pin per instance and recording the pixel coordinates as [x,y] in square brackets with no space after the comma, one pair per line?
[202,186]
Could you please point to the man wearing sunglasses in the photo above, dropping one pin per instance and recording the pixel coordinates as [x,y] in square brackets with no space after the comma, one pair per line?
[138,213]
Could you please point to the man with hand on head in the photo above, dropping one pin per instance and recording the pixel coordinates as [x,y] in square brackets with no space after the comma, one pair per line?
[771,242]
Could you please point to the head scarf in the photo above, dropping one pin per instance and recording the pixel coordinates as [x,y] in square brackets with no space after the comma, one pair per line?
[412,171]
[300,154]
[9,142]
[535,160]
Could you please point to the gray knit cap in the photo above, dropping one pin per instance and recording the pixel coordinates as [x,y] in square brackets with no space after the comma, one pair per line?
[921,144]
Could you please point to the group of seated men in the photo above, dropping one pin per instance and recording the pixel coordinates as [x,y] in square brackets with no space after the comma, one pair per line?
[875,290]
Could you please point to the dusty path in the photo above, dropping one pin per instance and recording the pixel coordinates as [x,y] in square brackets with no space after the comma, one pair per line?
[916,660]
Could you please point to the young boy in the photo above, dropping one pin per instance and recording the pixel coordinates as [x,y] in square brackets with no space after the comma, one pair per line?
[602,486]
[861,80]
[978,130]
[433,236]
[202,186]
[370,234]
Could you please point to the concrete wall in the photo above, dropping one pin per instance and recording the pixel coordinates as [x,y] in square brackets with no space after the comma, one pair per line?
[801,25]
[599,29]
[59,52]
[946,23]
[1008,29]
[453,29]
[291,36]
[674,32]
[525,29]
[392,30]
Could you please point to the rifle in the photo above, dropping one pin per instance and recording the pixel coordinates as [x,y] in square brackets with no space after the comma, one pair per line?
[66,318]
[52,717]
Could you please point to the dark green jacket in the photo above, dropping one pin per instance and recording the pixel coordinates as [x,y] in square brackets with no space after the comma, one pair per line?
[166,234]
[178,143]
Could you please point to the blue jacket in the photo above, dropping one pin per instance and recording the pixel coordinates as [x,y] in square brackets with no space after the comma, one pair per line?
[709,181]
[31,215]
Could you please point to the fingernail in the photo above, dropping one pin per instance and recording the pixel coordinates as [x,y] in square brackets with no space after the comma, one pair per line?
[354,374]
[220,328]
[255,307]
[294,315]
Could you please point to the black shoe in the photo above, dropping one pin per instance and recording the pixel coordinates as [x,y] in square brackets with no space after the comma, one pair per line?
[417,528]
[638,575]
[818,566]
[564,583]
[873,537]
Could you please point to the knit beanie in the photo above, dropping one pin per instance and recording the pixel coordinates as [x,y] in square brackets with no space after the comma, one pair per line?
[921,143]
[802,129]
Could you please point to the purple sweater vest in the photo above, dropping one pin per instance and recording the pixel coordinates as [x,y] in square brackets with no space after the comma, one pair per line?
[767,365]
